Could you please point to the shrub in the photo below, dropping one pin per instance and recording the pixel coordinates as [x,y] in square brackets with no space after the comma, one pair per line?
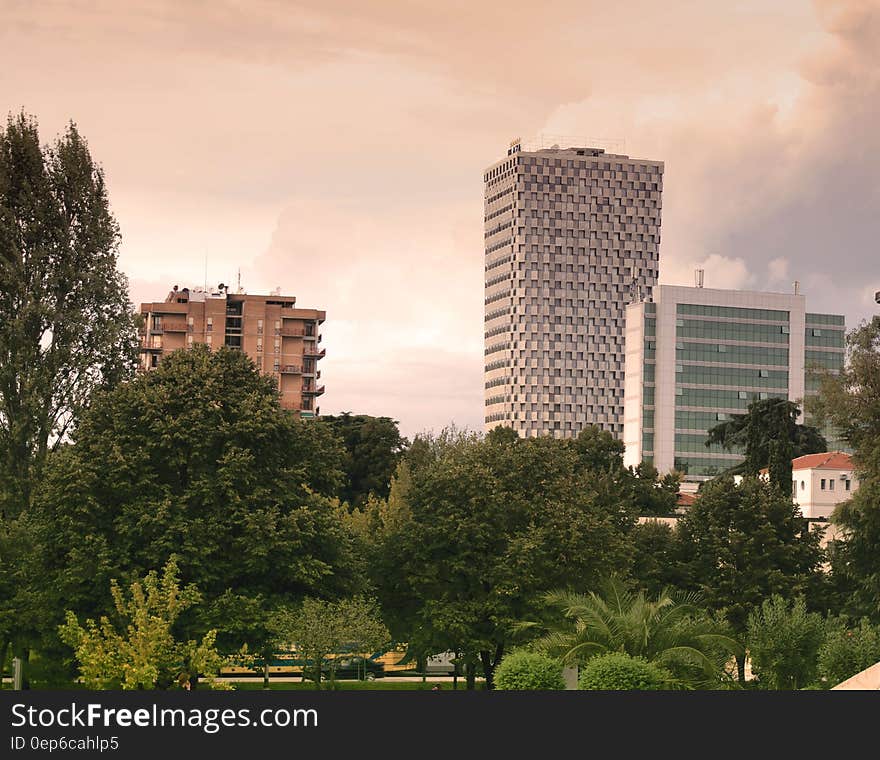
[618,671]
[847,651]
[528,671]
[783,643]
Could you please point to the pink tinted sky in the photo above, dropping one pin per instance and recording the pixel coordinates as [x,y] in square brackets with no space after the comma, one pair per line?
[336,149]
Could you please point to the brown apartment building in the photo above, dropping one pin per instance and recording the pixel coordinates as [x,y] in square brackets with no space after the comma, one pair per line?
[282,340]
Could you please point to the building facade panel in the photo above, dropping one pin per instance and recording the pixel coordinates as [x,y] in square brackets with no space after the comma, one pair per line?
[282,340]
[571,235]
[714,352]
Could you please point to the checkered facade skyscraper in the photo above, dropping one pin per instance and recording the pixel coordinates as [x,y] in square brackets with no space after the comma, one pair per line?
[572,235]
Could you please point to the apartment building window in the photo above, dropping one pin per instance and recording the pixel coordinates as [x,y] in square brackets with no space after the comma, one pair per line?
[190,322]
[846,485]
[259,345]
[209,325]
[276,367]
[803,485]
[277,346]
[259,327]
[209,339]
[154,361]
[189,340]
[277,326]
[822,485]
[831,484]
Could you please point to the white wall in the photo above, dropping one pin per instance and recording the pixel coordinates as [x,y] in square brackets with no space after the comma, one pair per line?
[815,502]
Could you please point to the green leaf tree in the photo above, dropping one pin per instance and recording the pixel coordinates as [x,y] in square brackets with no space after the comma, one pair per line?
[769,436]
[321,630]
[145,654]
[66,324]
[657,561]
[484,526]
[851,402]
[783,642]
[847,650]
[198,459]
[66,328]
[373,448]
[671,630]
[741,544]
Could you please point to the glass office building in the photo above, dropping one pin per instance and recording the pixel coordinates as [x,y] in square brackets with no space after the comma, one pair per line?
[696,356]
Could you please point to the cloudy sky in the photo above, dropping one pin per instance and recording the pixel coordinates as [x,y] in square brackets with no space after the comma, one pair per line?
[335,148]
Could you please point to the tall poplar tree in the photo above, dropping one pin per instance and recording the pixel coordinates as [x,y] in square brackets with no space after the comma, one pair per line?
[66,323]
[66,326]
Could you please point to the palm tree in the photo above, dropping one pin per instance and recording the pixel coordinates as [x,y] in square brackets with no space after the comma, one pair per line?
[672,630]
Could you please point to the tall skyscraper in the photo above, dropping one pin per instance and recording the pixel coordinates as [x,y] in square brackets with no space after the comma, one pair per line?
[696,356]
[281,339]
[572,235]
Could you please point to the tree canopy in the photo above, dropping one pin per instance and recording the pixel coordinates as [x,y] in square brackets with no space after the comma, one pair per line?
[671,630]
[373,447]
[475,529]
[769,436]
[66,324]
[741,543]
[851,402]
[197,459]
[146,654]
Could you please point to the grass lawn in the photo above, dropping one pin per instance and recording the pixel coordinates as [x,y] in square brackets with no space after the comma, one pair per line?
[377,685]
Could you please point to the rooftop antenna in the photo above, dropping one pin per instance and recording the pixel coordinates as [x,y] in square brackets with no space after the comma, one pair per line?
[698,277]
[206,271]
[239,281]
[797,287]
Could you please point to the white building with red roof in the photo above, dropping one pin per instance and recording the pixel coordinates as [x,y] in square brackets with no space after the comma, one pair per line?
[819,482]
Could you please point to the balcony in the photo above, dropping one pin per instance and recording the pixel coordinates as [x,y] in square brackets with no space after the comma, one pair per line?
[174,326]
[290,332]
[313,391]
[290,369]
[313,353]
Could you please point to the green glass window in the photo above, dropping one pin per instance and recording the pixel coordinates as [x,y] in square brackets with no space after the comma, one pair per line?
[764,356]
[755,333]
[732,312]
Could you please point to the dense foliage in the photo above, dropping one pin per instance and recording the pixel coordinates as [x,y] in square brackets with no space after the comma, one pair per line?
[528,671]
[770,437]
[373,448]
[742,543]
[851,402]
[619,671]
[475,529]
[145,654]
[671,630]
[196,459]
[783,642]
[318,629]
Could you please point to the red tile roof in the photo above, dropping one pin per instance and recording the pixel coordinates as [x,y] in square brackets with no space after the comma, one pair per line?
[829,460]
[686,499]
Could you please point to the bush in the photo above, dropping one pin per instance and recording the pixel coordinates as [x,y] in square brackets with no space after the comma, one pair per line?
[846,652]
[618,671]
[528,671]
[783,643]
